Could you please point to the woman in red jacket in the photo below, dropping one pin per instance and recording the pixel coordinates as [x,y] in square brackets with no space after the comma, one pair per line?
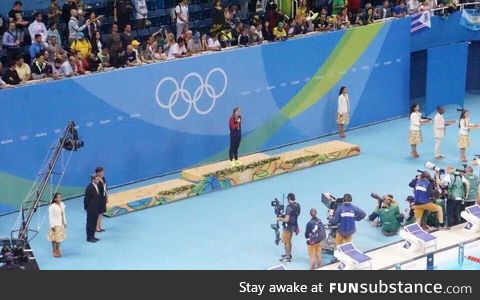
[235,124]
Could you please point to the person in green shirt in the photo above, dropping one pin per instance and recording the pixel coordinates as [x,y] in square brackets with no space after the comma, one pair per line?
[338,5]
[389,214]
[472,192]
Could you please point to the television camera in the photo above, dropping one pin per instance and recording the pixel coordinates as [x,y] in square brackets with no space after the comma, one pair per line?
[72,141]
[278,209]
[332,203]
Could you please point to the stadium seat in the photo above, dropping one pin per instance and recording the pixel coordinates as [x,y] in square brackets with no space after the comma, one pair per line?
[151,5]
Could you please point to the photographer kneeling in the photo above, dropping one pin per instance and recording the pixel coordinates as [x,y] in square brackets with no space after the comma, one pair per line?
[345,217]
[390,216]
[290,225]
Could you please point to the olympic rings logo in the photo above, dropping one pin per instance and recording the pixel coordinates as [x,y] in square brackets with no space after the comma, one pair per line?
[187,97]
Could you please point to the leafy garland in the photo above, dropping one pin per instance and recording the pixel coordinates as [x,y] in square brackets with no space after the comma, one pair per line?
[241,168]
[175,191]
[302,159]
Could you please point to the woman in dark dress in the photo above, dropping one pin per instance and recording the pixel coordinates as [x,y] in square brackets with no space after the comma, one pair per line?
[102,190]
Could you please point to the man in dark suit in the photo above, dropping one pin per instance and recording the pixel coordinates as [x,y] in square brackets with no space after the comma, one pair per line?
[384,11]
[91,203]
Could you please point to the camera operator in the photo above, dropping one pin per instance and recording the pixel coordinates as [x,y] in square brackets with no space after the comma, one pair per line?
[345,217]
[290,225]
[472,193]
[315,234]
[457,187]
[410,211]
[424,192]
[389,215]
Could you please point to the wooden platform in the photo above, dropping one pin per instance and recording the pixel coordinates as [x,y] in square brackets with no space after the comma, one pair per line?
[198,173]
[387,257]
[143,197]
[222,175]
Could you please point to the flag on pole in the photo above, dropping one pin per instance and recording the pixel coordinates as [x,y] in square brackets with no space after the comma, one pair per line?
[420,21]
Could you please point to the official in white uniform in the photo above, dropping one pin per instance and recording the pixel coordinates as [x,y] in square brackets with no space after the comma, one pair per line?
[439,125]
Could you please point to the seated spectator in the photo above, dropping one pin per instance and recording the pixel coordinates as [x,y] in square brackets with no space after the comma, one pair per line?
[187,37]
[53,32]
[168,47]
[279,32]
[296,28]
[10,76]
[243,40]
[104,57]
[97,43]
[160,37]
[81,45]
[130,58]
[253,36]
[204,41]
[353,8]
[412,6]
[93,63]
[236,33]
[54,49]
[81,64]
[38,27]
[3,84]
[365,18]
[323,23]
[226,38]
[179,50]
[194,45]
[23,70]
[40,68]
[57,68]
[146,53]
[383,12]
[267,33]
[259,31]
[136,48]
[69,67]
[342,19]
[400,10]
[426,5]
[234,14]
[36,46]
[214,43]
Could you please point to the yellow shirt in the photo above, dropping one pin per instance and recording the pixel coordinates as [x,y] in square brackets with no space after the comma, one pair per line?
[83,46]
[279,33]
[23,72]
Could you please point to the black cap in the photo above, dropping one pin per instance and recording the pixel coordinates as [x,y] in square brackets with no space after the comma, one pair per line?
[98,169]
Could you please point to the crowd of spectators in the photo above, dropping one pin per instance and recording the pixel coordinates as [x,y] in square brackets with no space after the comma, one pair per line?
[71,41]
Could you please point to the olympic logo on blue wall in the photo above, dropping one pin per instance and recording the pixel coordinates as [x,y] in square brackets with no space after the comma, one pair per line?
[186,95]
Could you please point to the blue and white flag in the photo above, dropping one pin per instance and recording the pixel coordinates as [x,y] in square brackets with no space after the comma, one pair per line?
[471,19]
[420,21]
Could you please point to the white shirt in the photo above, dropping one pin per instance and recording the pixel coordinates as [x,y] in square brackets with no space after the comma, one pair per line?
[343,104]
[213,44]
[175,49]
[183,11]
[415,121]
[38,28]
[56,215]
[464,129]
[141,8]
[66,69]
[439,126]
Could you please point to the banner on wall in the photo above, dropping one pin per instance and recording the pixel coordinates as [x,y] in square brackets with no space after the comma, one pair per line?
[471,19]
[420,21]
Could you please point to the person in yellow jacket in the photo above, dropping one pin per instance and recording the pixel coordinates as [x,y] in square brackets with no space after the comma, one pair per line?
[81,45]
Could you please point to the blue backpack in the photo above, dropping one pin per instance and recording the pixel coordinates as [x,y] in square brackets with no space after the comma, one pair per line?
[318,234]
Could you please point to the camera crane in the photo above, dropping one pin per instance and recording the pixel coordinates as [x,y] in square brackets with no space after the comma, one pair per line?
[69,140]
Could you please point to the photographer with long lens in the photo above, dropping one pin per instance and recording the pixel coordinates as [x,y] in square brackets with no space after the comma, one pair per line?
[424,192]
[290,225]
[345,217]
[390,216]
[457,186]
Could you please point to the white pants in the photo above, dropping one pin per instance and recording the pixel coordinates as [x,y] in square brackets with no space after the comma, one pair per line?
[438,142]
